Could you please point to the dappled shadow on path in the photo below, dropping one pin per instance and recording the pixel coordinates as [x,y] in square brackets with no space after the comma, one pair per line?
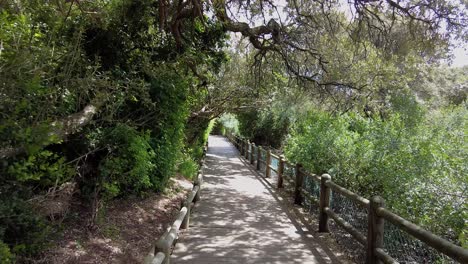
[241,220]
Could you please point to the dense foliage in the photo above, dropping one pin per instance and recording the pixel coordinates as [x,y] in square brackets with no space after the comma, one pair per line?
[109,98]
[95,103]
[263,127]
[411,152]
[420,169]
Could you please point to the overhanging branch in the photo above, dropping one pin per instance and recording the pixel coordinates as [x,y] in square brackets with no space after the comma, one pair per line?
[60,129]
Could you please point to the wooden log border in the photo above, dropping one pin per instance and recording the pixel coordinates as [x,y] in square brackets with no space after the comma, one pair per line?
[377,213]
[160,253]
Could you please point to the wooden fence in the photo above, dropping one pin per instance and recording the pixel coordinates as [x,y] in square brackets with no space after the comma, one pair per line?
[161,250]
[373,241]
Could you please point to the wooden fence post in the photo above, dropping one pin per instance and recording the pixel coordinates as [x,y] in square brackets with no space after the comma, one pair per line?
[259,156]
[247,150]
[252,153]
[375,230]
[198,182]
[298,186]
[241,147]
[244,144]
[186,222]
[162,247]
[268,162]
[324,203]
[280,171]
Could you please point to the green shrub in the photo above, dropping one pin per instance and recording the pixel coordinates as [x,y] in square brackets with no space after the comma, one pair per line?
[207,131]
[170,93]
[45,168]
[130,164]
[5,255]
[55,62]
[418,167]
[21,228]
[198,136]
[263,127]
[188,167]
[218,128]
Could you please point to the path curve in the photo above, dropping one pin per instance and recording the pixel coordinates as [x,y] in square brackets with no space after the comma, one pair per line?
[241,220]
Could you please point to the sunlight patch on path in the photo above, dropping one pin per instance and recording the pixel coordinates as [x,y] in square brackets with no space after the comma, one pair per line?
[240,220]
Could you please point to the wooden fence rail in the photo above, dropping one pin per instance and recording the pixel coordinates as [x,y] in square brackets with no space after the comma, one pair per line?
[377,213]
[160,253]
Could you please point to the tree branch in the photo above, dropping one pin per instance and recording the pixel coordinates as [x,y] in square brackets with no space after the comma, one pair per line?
[60,129]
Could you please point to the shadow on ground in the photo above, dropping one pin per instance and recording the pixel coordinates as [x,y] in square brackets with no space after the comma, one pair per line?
[241,219]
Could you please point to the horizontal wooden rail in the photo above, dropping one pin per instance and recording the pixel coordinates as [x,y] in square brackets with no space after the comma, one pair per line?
[458,253]
[376,214]
[159,258]
[194,192]
[315,177]
[165,242]
[273,168]
[382,255]
[275,156]
[363,202]
[347,226]
[160,253]
[170,238]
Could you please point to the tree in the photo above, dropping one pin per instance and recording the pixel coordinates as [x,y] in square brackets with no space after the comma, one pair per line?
[441,85]
[94,98]
[297,32]
[345,52]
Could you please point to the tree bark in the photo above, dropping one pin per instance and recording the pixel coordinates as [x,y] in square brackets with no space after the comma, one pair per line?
[60,129]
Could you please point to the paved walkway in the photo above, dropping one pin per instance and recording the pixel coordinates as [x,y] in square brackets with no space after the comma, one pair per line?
[241,220]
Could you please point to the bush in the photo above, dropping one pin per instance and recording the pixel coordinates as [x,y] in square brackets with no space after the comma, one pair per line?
[44,168]
[188,166]
[418,167]
[193,153]
[57,61]
[20,228]
[170,93]
[218,128]
[5,255]
[263,127]
[130,164]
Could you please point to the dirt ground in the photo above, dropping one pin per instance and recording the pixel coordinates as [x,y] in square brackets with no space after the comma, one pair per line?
[124,233]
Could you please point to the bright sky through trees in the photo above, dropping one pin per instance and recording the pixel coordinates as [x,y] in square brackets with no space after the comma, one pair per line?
[460,57]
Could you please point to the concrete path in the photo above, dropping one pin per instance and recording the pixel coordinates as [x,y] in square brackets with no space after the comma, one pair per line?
[241,220]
